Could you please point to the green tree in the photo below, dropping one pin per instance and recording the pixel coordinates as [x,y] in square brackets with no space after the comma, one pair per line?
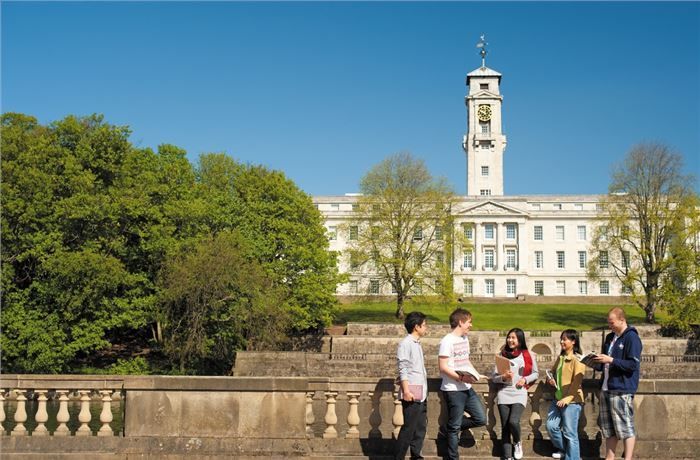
[644,212]
[405,230]
[217,299]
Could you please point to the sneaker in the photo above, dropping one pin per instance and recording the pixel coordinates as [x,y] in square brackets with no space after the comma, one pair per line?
[558,455]
[518,450]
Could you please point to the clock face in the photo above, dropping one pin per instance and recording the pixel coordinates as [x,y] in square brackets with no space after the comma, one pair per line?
[484,112]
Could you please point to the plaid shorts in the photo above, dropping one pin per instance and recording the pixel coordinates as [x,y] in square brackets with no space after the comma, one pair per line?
[616,414]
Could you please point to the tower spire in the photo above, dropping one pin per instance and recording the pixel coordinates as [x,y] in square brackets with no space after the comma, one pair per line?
[483,51]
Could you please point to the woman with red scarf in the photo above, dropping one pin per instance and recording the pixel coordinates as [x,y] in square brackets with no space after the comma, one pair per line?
[512,390]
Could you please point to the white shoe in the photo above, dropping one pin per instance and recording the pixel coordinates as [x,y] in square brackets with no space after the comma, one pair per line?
[558,455]
[518,450]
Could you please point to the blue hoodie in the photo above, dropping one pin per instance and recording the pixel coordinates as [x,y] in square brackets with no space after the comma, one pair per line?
[623,375]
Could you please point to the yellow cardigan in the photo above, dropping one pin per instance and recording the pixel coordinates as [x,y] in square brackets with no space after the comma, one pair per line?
[571,378]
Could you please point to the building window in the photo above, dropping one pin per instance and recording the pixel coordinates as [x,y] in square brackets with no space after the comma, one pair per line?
[485,127]
[603,259]
[468,259]
[536,206]
[559,232]
[581,232]
[578,206]
[468,232]
[539,287]
[485,145]
[605,287]
[335,206]
[510,287]
[538,233]
[583,287]
[582,259]
[626,259]
[603,233]
[418,234]
[561,287]
[626,290]
[354,232]
[374,286]
[468,287]
[355,207]
[539,259]
[484,170]
[332,233]
[439,258]
[599,207]
[438,233]
[488,259]
[485,192]
[557,206]
[488,231]
[483,86]
[353,287]
[489,287]
[510,258]
[510,231]
[560,259]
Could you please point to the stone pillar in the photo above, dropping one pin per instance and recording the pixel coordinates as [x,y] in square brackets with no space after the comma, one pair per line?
[535,419]
[331,419]
[62,416]
[310,419]
[397,419]
[106,414]
[84,416]
[353,416]
[375,417]
[42,416]
[20,415]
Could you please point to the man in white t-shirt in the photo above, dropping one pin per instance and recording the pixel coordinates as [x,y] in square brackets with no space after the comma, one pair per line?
[457,390]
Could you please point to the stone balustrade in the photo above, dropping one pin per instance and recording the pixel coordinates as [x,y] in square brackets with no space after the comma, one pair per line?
[212,417]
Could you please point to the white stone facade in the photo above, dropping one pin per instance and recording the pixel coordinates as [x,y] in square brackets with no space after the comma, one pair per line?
[521,245]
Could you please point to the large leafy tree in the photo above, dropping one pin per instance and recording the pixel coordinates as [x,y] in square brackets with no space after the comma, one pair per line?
[404,228]
[643,217]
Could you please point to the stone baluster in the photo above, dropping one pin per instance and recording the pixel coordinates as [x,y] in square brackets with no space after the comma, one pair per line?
[62,416]
[535,418]
[353,416]
[106,416]
[42,416]
[486,433]
[397,419]
[331,418]
[309,419]
[84,416]
[20,415]
[375,417]
[2,411]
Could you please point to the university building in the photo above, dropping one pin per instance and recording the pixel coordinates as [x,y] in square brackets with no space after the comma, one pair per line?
[528,245]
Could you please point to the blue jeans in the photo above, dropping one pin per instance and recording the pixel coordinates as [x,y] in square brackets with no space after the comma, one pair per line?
[562,424]
[457,403]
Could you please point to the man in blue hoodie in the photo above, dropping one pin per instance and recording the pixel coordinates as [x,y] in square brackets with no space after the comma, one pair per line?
[619,361]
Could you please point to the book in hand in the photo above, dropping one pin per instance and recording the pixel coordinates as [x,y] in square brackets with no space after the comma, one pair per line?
[470,371]
[587,359]
[417,391]
[551,377]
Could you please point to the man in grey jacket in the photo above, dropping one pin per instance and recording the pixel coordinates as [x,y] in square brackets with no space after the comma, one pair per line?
[414,387]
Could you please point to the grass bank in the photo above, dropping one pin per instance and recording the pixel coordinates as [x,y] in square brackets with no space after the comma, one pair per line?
[494,316]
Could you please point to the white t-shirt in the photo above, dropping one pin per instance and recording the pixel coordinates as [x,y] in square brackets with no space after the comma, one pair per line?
[606,368]
[456,349]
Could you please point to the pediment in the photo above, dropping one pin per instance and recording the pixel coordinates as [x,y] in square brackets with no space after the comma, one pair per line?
[485,94]
[490,208]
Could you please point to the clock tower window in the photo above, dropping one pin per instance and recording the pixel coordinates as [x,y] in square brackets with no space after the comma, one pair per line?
[485,127]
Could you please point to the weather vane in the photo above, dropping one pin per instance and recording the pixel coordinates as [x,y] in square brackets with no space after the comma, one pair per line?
[482,45]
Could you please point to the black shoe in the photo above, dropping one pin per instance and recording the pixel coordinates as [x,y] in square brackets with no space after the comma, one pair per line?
[466,439]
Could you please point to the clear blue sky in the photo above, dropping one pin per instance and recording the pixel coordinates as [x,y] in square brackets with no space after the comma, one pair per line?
[323,91]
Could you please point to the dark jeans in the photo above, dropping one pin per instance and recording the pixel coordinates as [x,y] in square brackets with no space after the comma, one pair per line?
[415,421]
[510,426]
[457,403]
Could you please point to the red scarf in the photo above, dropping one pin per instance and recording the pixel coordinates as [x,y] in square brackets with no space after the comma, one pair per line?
[527,358]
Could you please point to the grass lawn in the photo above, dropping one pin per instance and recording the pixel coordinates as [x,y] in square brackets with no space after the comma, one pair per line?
[495,316]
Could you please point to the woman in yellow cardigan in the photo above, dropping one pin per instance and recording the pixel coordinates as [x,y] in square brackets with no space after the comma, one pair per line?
[563,415]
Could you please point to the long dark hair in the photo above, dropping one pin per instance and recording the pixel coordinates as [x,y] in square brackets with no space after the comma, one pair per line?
[572,335]
[521,339]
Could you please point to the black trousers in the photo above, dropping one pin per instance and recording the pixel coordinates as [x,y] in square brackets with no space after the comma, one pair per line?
[412,434]
[510,426]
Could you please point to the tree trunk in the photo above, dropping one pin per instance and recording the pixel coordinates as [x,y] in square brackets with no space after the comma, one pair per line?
[399,305]
[649,310]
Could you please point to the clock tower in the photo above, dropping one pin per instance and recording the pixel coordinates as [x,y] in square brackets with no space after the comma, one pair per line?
[484,142]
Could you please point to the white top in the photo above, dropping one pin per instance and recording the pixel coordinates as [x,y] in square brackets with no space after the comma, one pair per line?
[508,393]
[456,349]
[606,368]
